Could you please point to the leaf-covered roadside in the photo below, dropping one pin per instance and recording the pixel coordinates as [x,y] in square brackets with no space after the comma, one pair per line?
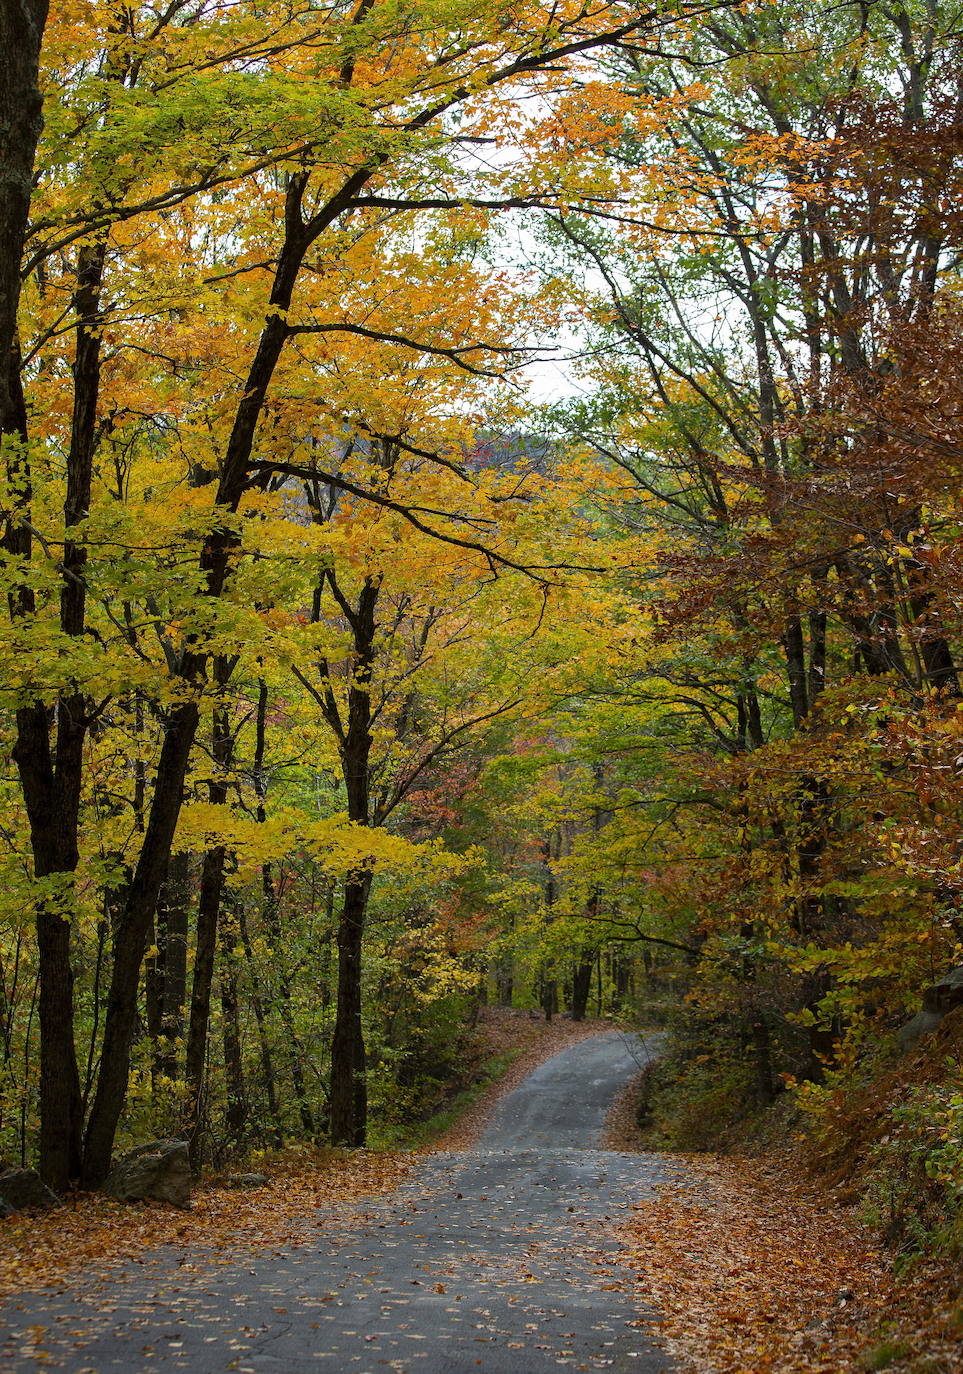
[95,1234]
[753,1270]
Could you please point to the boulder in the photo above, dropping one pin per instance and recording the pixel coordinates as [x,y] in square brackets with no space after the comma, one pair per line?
[247,1180]
[938,1001]
[159,1171]
[21,1188]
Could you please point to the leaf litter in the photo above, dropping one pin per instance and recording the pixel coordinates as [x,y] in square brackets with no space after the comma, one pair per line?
[94,1233]
[753,1267]
[749,1268]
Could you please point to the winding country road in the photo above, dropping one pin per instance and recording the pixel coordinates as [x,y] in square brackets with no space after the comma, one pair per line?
[500,1260]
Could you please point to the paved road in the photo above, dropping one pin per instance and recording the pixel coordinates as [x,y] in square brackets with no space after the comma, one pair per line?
[498,1261]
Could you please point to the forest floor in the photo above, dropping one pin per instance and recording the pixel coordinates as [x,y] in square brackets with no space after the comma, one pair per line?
[758,1268]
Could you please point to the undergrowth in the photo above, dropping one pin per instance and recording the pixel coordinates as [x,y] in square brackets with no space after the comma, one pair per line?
[884,1132]
[414,1133]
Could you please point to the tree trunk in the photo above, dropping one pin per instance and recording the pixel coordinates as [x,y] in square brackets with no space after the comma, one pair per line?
[171,927]
[231,1032]
[581,984]
[349,1102]
[208,914]
[51,778]
[272,926]
[504,981]
[130,939]
[205,943]
[215,565]
[61,1104]
[349,1093]
[549,997]
[267,1062]
[22,24]
[795,650]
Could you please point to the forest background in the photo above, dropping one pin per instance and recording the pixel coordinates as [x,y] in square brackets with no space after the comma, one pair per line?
[345,687]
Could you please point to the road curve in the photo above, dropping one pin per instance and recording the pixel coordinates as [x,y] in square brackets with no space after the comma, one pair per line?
[500,1260]
[564,1102]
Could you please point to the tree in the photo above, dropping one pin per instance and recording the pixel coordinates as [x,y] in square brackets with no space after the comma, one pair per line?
[795,229]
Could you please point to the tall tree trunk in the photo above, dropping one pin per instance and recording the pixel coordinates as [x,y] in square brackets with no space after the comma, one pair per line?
[504,981]
[22,24]
[272,927]
[130,939]
[171,925]
[582,983]
[51,777]
[349,1096]
[795,650]
[208,914]
[133,926]
[205,943]
[264,1045]
[231,1033]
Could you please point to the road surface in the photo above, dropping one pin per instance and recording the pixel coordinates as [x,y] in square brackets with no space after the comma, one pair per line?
[501,1260]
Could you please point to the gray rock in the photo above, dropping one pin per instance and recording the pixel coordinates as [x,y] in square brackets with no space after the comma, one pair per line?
[159,1170]
[21,1188]
[246,1180]
[938,1001]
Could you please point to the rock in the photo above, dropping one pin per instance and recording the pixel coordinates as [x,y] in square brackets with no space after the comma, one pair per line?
[938,1001]
[21,1188]
[159,1170]
[247,1180]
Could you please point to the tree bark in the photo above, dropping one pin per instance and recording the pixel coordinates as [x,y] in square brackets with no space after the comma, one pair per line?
[349,1094]
[349,1098]
[172,934]
[22,24]
[267,1061]
[582,984]
[120,1020]
[51,777]
[208,915]
[237,1111]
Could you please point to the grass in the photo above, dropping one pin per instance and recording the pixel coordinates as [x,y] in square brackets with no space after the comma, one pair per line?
[416,1135]
[883,1355]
